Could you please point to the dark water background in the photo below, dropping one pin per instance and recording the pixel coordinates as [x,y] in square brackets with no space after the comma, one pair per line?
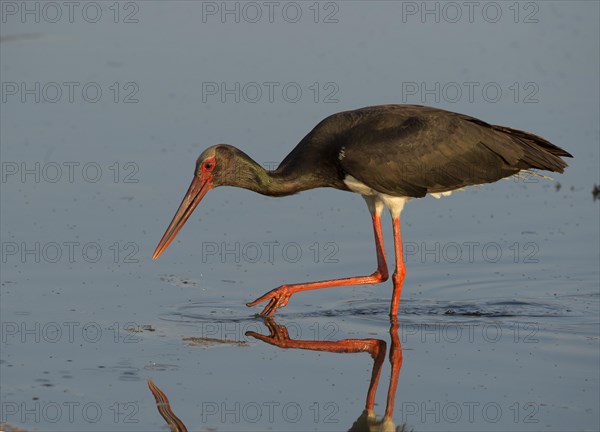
[499,322]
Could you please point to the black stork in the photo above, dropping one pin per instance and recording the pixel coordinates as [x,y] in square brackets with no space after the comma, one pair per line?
[388,154]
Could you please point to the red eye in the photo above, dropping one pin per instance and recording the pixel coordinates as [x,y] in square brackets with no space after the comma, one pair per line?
[208,165]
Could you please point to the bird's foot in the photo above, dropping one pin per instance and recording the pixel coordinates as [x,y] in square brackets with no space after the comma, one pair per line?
[278,334]
[277,297]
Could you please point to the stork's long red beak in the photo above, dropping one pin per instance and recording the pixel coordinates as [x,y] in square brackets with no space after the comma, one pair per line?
[192,198]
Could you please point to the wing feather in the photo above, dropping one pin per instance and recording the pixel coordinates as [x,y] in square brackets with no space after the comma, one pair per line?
[409,150]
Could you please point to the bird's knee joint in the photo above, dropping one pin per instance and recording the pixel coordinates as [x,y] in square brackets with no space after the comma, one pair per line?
[381,276]
[399,275]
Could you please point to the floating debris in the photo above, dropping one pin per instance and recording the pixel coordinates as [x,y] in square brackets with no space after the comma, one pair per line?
[179,282]
[18,37]
[161,367]
[5,427]
[453,312]
[139,329]
[206,342]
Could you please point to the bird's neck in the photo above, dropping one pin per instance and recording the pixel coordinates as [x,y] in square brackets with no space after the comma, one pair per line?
[274,183]
[254,177]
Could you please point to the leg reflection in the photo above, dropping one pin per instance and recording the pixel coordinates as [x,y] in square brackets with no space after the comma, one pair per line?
[164,408]
[367,421]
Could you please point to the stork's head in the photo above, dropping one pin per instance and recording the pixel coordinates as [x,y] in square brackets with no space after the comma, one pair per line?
[219,165]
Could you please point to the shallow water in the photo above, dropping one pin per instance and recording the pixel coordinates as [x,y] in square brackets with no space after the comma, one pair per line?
[499,322]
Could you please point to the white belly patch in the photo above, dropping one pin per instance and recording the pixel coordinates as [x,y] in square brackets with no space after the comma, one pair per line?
[394,203]
[441,194]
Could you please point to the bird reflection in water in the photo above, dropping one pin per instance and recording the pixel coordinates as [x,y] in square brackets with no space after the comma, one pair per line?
[164,408]
[377,348]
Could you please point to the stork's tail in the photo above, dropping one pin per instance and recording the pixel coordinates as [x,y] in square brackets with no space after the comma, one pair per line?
[539,152]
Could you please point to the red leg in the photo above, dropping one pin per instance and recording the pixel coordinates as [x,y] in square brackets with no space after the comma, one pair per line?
[281,295]
[396,364]
[398,276]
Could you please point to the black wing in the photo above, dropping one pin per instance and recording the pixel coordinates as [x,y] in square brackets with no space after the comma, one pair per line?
[409,150]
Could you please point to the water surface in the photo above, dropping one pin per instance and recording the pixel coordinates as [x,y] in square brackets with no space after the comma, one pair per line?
[499,323]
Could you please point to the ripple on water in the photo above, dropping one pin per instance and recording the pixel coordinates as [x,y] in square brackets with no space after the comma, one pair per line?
[378,309]
[209,312]
[413,310]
